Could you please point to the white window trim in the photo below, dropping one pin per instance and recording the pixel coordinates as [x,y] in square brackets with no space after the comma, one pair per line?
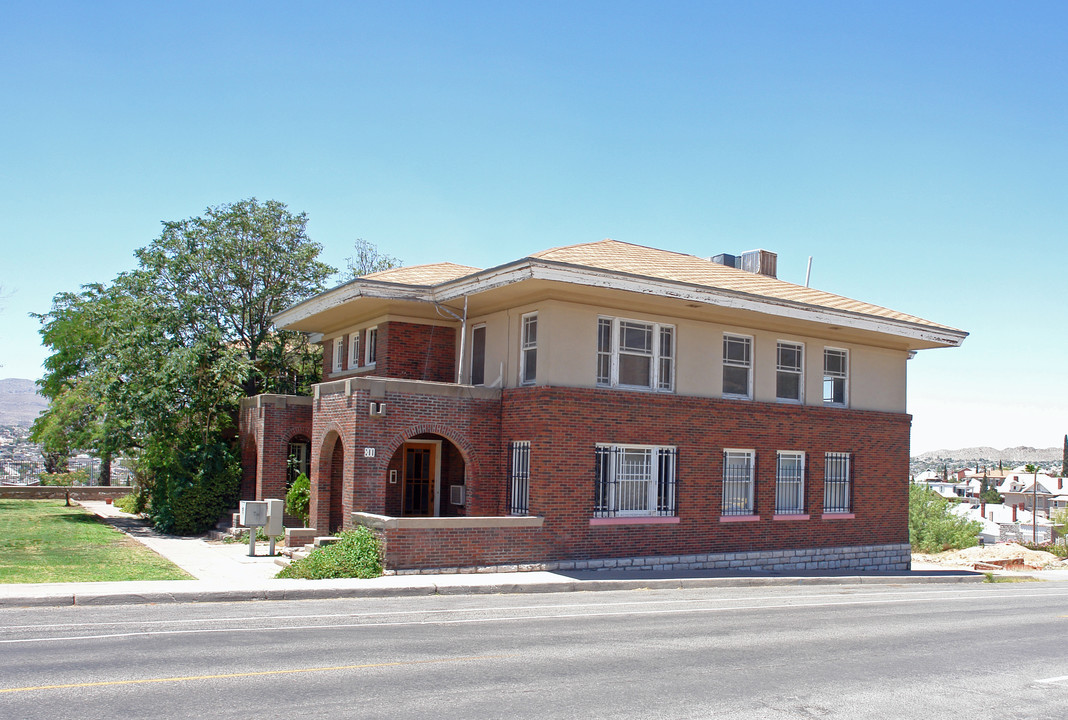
[339,354]
[524,346]
[730,363]
[800,400]
[844,377]
[847,483]
[780,508]
[751,500]
[354,350]
[652,482]
[370,345]
[471,359]
[655,357]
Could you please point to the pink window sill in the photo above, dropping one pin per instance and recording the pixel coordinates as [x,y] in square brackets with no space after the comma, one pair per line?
[798,516]
[641,520]
[739,518]
[838,516]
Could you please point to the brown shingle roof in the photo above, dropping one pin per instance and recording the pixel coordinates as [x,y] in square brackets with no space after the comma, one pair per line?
[616,256]
[422,274]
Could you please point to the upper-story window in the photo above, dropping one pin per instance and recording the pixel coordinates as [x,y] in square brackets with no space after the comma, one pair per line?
[789,372]
[738,366]
[635,354]
[528,350]
[370,353]
[339,353]
[354,350]
[835,376]
[478,355]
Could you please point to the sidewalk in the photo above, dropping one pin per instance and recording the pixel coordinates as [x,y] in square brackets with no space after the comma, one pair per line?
[225,572]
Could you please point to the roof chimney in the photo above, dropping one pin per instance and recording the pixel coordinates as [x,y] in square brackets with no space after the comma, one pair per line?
[1014,513]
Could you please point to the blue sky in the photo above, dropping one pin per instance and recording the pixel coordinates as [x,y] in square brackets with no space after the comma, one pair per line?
[916,150]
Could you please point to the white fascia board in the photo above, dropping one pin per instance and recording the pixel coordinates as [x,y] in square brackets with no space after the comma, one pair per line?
[591,277]
[349,291]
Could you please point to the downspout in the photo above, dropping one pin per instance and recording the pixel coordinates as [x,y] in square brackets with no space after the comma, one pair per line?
[463,339]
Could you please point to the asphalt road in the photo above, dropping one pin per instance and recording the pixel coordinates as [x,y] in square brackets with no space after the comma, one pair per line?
[927,651]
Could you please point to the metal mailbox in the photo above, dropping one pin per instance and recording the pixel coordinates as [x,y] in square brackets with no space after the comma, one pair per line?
[253,513]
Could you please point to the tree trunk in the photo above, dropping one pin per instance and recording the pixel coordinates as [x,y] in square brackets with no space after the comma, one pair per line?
[105,469]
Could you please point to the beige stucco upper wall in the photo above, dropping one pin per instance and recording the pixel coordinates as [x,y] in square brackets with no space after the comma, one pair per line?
[567,355]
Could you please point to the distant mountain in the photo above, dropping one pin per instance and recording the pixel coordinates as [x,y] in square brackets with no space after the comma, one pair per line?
[1020,454]
[19,402]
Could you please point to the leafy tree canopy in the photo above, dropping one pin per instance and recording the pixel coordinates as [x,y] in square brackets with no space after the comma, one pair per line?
[154,365]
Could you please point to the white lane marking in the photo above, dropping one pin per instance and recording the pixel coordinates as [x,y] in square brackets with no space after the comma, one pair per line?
[1062,678]
[497,608]
[466,621]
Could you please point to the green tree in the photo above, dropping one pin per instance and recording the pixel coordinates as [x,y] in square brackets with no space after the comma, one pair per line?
[159,359]
[368,259]
[934,527]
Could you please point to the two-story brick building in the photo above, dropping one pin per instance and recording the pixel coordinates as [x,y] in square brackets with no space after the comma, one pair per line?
[601,404]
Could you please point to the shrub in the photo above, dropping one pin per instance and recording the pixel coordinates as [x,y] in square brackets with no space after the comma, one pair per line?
[129,503]
[1058,549]
[355,554]
[933,527]
[298,498]
[74,477]
[192,487]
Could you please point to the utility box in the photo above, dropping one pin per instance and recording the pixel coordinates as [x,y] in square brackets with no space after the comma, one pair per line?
[253,513]
[275,508]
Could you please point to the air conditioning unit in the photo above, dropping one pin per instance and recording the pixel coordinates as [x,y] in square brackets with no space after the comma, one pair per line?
[378,409]
[457,494]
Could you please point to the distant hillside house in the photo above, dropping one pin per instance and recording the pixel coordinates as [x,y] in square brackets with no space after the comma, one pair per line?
[597,405]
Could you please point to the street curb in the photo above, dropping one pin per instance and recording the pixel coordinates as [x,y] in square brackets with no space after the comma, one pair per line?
[330,592]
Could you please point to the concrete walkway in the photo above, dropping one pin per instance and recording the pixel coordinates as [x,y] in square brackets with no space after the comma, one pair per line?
[225,572]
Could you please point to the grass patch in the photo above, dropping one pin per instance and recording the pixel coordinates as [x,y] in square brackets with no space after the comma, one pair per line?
[992,578]
[44,541]
[354,555]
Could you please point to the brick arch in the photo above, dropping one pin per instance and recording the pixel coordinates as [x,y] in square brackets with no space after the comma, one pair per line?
[461,443]
[328,502]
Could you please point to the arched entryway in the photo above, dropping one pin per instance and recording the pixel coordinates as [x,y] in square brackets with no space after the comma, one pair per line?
[427,478]
[329,484]
[298,458]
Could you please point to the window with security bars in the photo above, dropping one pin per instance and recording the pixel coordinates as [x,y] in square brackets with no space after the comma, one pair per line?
[837,490]
[738,482]
[519,479]
[790,483]
[636,480]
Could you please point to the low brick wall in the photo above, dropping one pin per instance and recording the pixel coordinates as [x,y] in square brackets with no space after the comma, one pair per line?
[53,492]
[861,558]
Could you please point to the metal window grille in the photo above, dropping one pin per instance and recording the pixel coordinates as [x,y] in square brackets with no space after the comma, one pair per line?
[837,495]
[738,483]
[635,481]
[790,484]
[519,479]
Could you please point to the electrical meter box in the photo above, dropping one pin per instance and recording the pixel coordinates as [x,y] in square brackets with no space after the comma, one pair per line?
[274,518]
[253,513]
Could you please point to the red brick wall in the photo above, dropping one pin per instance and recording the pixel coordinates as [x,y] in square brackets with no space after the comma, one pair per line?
[469,429]
[265,434]
[403,350]
[563,425]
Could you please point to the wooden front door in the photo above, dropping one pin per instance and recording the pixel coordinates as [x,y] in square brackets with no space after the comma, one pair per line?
[417,490]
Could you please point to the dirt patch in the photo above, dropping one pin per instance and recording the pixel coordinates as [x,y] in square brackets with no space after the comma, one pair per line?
[1002,556]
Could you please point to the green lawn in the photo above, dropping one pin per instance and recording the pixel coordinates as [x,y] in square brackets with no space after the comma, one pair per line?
[45,541]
